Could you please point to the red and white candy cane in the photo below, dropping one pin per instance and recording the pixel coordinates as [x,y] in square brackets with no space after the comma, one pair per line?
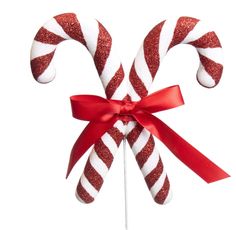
[98,41]
[158,42]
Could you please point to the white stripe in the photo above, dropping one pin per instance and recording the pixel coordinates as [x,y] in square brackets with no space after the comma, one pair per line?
[48,75]
[55,28]
[142,69]
[141,141]
[204,78]
[39,49]
[98,164]
[151,162]
[90,31]
[215,54]
[169,197]
[158,185]
[88,187]
[110,143]
[110,68]
[120,125]
[130,126]
[166,36]
[198,31]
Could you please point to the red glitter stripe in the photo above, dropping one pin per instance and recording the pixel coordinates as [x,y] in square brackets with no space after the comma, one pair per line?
[71,26]
[103,153]
[145,153]
[151,49]
[116,135]
[103,48]
[40,64]
[163,193]
[212,68]
[134,134]
[155,174]
[115,82]
[83,194]
[93,176]
[183,26]
[209,40]
[137,83]
[48,37]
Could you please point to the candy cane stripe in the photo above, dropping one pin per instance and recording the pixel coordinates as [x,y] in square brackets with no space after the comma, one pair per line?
[213,69]
[133,135]
[137,83]
[93,176]
[116,134]
[208,40]
[151,47]
[71,26]
[40,64]
[115,82]
[183,27]
[212,53]
[162,195]
[40,49]
[82,195]
[103,153]
[55,28]
[155,174]
[48,37]
[103,48]
[145,153]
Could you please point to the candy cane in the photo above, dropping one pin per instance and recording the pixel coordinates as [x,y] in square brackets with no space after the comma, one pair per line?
[98,41]
[158,42]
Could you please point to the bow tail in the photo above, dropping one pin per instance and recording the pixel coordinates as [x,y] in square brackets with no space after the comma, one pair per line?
[99,163]
[185,152]
[147,156]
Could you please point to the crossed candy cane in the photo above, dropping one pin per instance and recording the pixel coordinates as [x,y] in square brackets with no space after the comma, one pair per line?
[97,40]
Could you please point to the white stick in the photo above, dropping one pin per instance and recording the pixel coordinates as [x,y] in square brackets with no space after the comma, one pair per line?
[125,185]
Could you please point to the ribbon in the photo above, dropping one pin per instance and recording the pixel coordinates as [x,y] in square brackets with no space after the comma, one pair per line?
[103,113]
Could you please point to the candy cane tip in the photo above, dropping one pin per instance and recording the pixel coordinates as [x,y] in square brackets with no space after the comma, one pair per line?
[78,197]
[47,77]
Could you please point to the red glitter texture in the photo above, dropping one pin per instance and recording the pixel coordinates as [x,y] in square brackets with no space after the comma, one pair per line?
[151,49]
[183,27]
[83,194]
[103,48]
[71,26]
[212,68]
[103,153]
[137,83]
[116,135]
[209,40]
[48,37]
[93,176]
[162,194]
[155,174]
[145,153]
[39,64]
[115,82]
[134,134]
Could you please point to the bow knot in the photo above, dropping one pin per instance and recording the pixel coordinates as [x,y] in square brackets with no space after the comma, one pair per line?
[126,110]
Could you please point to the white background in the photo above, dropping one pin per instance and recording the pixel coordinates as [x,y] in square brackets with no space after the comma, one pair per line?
[37,130]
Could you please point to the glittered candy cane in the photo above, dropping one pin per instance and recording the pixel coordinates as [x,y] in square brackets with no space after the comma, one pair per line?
[157,43]
[98,42]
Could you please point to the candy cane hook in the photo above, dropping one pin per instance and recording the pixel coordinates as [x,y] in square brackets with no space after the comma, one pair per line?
[98,41]
[157,43]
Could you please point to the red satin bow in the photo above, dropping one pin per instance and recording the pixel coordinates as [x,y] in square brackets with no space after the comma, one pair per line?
[103,113]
